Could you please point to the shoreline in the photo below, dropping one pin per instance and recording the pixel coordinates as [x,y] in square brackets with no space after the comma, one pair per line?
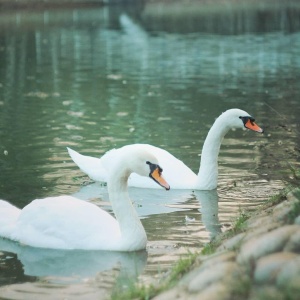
[257,259]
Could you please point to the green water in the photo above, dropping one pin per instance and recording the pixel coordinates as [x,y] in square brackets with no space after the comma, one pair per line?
[94,79]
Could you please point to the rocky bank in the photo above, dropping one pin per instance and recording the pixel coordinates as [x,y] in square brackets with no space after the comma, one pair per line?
[262,261]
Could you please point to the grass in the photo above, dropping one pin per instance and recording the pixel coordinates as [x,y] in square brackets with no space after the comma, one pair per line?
[241,287]
[182,267]
[239,224]
[281,196]
[209,248]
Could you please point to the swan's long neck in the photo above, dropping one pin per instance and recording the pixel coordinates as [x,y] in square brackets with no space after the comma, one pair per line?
[208,170]
[132,230]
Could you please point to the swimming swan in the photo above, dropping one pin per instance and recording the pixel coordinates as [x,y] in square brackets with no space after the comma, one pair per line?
[179,175]
[66,222]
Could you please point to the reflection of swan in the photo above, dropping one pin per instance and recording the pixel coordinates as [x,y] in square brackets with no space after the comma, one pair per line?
[155,203]
[79,264]
[146,203]
[68,223]
[137,35]
[209,211]
[179,175]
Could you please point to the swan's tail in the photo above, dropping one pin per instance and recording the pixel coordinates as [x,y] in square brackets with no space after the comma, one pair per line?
[92,166]
[9,215]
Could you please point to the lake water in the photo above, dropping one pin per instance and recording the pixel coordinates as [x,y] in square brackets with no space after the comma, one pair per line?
[103,77]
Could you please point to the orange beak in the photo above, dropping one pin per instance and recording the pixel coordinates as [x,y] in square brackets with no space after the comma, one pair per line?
[253,126]
[156,176]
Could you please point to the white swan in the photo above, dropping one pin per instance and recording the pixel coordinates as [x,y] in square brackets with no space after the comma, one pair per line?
[179,175]
[66,222]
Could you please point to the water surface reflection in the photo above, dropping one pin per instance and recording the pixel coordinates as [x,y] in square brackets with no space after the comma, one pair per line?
[74,265]
[94,79]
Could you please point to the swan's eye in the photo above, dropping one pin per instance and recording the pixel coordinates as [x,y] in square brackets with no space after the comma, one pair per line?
[246,119]
[154,167]
[151,166]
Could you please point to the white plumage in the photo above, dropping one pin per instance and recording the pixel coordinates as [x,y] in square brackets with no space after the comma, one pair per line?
[65,222]
[179,175]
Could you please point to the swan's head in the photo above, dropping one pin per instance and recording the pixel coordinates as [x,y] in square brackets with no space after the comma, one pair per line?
[238,118]
[145,164]
[156,174]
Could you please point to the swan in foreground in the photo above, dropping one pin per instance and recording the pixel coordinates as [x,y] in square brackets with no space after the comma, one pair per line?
[66,222]
[179,175]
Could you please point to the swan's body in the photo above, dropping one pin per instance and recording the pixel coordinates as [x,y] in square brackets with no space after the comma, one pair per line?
[66,222]
[99,169]
[179,175]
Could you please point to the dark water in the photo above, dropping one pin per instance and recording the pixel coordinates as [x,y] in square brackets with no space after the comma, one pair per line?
[94,79]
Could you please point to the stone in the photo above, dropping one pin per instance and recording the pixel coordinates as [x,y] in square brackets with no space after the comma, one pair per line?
[290,272]
[265,228]
[294,195]
[232,243]
[217,291]
[218,257]
[293,244]
[267,267]
[212,275]
[282,210]
[265,244]
[257,221]
[174,294]
[266,293]
[291,289]
[208,262]
[297,220]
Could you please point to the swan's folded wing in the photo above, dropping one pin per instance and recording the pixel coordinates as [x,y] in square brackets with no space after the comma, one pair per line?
[92,166]
[65,222]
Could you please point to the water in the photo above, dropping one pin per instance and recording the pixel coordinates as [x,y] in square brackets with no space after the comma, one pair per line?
[94,79]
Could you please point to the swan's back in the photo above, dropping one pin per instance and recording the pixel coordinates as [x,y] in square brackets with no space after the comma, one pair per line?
[65,222]
[92,166]
[170,164]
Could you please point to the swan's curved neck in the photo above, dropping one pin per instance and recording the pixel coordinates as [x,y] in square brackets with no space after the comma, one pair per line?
[208,170]
[131,227]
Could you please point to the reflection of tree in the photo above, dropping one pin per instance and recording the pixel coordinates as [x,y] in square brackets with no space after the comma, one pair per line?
[216,18]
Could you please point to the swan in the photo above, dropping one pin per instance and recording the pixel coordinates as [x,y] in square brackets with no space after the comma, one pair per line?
[65,222]
[179,175]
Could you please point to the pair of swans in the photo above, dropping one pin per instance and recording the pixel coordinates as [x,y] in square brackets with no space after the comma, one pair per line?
[65,222]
